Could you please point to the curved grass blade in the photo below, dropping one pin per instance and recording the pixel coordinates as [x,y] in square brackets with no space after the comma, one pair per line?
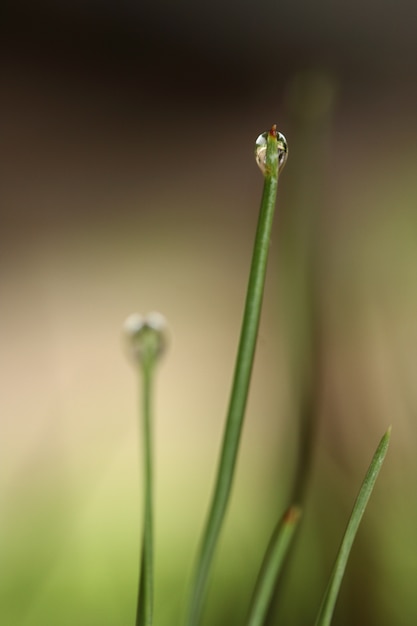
[272,564]
[271,160]
[329,600]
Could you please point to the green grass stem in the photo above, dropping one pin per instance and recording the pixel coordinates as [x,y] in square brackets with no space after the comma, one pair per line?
[240,386]
[272,565]
[144,613]
[329,600]
[146,342]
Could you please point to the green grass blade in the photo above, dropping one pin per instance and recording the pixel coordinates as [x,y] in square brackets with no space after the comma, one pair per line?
[146,342]
[329,600]
[272,564]
[240,387]
[144,614]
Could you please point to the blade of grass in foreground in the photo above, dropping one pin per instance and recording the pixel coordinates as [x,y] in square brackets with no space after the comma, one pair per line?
[271,155]
[329,600]
[271,567]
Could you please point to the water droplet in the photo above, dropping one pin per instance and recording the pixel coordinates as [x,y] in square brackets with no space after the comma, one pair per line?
[260,150]
[146,337]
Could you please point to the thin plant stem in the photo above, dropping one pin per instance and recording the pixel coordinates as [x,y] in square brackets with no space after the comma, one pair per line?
[329,600]
[144,612]
[272,565]
[146,341]
[240,386]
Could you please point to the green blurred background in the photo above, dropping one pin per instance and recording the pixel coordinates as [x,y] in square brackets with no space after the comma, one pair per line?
[129,183]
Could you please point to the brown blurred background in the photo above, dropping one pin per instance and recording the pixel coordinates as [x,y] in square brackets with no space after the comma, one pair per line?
[129,183]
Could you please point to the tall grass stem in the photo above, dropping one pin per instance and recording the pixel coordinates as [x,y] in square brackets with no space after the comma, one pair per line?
[240,386]
[144,614]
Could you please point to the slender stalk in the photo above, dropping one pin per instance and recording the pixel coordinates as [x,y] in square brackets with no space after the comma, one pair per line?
[146,341]
[144,611]
[240,387]
[329,600]
[271,567]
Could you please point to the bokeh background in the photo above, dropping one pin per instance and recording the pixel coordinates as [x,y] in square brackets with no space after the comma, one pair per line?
[129,184]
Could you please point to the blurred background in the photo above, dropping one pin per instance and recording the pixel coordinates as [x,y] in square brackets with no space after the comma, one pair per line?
[129,184]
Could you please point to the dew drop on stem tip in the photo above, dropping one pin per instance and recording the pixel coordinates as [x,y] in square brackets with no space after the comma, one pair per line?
[261,145]
[146,337]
